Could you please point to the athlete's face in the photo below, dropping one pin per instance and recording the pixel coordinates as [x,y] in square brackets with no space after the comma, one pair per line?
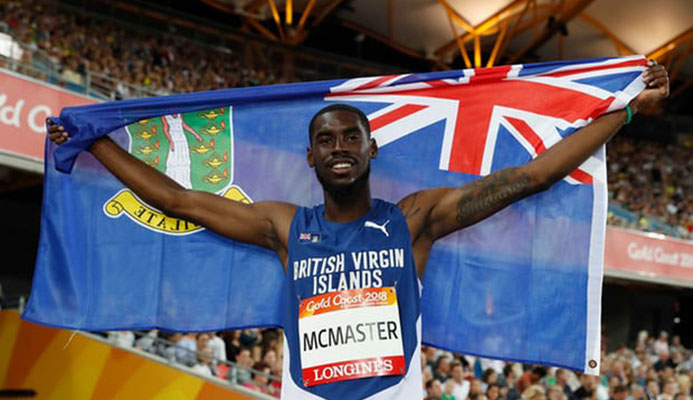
[341,150]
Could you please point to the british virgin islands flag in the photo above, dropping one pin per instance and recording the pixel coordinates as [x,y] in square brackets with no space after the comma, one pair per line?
[522,285]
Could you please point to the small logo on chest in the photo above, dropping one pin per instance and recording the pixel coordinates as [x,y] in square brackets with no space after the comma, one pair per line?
[308,237]
[371,224]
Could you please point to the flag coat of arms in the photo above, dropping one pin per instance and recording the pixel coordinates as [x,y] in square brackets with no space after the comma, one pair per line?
[523,285]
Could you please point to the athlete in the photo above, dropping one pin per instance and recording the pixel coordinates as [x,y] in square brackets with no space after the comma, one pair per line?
[356,250]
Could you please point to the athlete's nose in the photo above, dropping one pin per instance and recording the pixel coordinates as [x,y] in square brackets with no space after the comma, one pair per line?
[339,146]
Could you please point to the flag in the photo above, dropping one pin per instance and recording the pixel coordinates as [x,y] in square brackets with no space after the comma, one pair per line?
[523,285]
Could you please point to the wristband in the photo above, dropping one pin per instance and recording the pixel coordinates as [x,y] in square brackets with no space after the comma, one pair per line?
[630,114]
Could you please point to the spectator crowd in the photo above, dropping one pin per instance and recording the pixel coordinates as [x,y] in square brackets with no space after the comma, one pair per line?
[255,355]
[653,181]
[653,369]
[160,63]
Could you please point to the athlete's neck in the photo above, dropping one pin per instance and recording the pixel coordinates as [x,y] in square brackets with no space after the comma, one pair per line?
[348,208]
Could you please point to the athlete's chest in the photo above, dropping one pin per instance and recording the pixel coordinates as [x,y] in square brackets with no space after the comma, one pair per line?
[325,258]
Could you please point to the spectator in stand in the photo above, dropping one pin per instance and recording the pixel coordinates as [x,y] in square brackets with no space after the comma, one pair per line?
[256,352]
[241,371]
[511,391]
[684,382]
[269,356]
[534,392]
[232,343]
[448,390]
[442,370]
[531,377]
[555,392]
[664,361]
[429,354]
[562,382]
[620,392]
[148,342]
[651,180]
[204,366]
[488,377]
[586,389]
[434,390]
[457,380]
[676,343]
[636,392]
[661,344]
[202,340]
[652,389]
[493,392]
[260,376]
[122,338]
[218,347]
[186,349]
[476,388]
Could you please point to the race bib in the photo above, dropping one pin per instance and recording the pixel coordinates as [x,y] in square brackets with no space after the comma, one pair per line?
[350,334]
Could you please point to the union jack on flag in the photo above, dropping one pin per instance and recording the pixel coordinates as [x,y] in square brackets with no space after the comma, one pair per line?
[475,103]
[523,285]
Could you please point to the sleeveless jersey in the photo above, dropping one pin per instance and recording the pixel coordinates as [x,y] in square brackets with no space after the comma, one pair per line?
[329,257]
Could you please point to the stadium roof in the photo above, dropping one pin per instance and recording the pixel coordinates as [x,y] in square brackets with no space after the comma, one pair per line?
[464,33]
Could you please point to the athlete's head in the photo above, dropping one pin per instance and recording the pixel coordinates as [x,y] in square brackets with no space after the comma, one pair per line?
[340,149]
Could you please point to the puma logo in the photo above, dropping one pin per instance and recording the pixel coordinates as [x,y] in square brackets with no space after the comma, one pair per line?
[371,224]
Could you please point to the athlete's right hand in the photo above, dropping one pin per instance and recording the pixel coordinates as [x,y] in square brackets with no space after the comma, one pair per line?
[57,133]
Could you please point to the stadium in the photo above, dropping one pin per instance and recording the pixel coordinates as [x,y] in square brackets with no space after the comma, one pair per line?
[76,284]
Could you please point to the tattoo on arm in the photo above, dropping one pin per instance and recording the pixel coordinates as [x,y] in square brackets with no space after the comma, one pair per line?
[487,195]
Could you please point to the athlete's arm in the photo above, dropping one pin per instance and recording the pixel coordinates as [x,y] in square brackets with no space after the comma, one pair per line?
[264,224]
[434,213]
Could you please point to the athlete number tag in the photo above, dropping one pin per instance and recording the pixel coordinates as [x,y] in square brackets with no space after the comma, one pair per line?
[350,334]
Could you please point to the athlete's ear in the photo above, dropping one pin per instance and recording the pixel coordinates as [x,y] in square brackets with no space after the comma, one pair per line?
[309,157]
[374,148]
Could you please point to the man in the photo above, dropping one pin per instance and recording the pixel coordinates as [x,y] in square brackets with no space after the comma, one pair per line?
[204,365]
[664,361]
[218,347]
[460,384]
[382,248]
[186,349]
[661,345]
[587,387]
[636,392]
[434,390]
[241,372]
[510,378]
[562,381]
[652,389]
[442,371]
[620,392]
[531,377]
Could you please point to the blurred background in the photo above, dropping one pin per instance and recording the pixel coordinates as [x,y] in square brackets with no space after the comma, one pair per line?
[59,53]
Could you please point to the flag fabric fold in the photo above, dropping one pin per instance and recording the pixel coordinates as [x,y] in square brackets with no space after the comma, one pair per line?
[523,285]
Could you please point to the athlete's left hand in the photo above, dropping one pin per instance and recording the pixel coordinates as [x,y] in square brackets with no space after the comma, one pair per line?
[657,81]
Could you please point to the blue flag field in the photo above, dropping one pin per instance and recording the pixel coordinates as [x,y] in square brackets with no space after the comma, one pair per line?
[523,285]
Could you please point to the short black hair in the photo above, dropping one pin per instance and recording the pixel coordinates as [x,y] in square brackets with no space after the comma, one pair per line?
[337,107]
[539,370]
[620,389]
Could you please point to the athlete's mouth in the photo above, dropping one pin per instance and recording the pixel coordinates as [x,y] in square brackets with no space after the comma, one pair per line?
[341,166]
